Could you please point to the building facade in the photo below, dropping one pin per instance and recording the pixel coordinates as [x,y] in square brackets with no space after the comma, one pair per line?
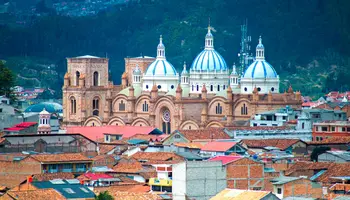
[153,93]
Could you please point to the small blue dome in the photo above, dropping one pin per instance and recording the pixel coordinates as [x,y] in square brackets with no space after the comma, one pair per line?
[161,67]
[260,69]
[50,107]
[209,60]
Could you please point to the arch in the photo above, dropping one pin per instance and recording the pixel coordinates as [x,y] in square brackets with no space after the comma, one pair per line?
[217,106]
[95,80]
[214,124]
[162,106]
[93,121]
[189,125]
[116,121]
[116,103]
[73,105]
[139,121]
[242,108]
[140,105]
[96,105]
[77,76]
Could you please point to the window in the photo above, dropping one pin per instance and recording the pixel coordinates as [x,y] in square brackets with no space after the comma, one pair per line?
[211,88]
[218,110]
[324,128]
[77,75]
[197,87]
[95,81]
[343,129]
[172,86]
[348,129]
[0,110]
[259,89]
[177,136]
[272,89]
[121,106]
[218,87]
[302,125]
[244,110]
[192,87]
[73,105]
[224,87]
[95,106]
[67,168]
[145,107]
[69,190]
[146,86]
[245,89]
[159,86]
[279,190]
[333,128]
[189,127]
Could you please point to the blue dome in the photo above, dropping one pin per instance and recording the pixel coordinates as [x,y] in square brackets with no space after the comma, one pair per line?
[209,60]
[260,69]
[50,107]
[161,67]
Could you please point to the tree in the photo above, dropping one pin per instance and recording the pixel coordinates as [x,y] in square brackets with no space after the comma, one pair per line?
[104,196]
[318,151]
[7,82]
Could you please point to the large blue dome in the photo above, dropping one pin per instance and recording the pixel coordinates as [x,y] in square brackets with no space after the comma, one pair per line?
[209,60]
[161,67]
[51,107]
[260,69]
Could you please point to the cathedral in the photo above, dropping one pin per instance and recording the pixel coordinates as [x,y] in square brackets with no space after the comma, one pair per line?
[207,94]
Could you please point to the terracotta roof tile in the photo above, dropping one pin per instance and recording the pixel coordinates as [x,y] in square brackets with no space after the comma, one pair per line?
[157,156]
[12,180]
[279,143]
[340,186]
[106,148]
[190,145]
[136,196]
[39,194]
[206,134]
[64,157]
[307,165]
[332,140]
[264,128]
[152,138]
[128,166]
[51,176]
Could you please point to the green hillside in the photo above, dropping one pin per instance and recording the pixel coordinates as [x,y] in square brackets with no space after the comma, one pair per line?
[306,41]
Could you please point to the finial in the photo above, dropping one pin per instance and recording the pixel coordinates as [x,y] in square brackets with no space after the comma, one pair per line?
[184,65]
[160,39]
[209,25]
[260,40]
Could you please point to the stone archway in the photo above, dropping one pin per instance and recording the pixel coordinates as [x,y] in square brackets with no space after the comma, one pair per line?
[214,124]
[189,125]
[164,111]
[117,121]
[140,122]
[93,121]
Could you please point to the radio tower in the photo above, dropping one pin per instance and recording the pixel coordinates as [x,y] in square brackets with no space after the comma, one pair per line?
[245,58]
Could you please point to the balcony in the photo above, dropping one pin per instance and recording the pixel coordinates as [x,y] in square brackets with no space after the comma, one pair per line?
[160,182]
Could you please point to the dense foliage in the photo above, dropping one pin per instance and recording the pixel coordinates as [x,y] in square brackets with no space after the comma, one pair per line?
[7,81]
[104,196]
[306,41]
[318,151]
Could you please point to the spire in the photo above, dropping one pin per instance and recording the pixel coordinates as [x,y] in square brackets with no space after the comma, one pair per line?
[234,71]
[260,51]
[184,71]
[161,49]
[209,40]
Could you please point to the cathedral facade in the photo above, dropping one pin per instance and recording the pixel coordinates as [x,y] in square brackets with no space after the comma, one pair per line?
[153,93]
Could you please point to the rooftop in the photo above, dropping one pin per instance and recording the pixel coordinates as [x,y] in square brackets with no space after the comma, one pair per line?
[331,140]
[225,159]
[64,157]
[39,194]
[262,143]
[218,146]
[153,157]
[206,134]
[236,194]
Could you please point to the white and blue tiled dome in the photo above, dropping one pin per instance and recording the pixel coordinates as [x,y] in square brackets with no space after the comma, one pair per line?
[209,59]
[161,67]
[260,69]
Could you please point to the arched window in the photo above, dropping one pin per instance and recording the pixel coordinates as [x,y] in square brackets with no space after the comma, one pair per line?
[211,88]
[166,125]
[197,87]
[218,87]
[77,75]
[224,87]
[244,110]
[95,79]
[192,87]
[95,106]
[218,110]
[302,125]
[121,106]
[73,105]
[145,107]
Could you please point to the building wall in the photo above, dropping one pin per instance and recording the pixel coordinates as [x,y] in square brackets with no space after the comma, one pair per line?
[202,179]
[327,157]
[27,166]
[302,187]
[245,174]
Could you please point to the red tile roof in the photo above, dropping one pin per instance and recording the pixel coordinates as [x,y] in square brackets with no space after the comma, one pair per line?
[95,176]
[264,128]
[206,134]
[38,194]
[157,156]
[218,146]
[96,132]
[51,176]
[261,143]
[128,166]
[64,157]
[331,140]
[225,159]
[21,126]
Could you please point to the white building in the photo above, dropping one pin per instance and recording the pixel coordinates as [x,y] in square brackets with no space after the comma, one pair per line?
[198,180]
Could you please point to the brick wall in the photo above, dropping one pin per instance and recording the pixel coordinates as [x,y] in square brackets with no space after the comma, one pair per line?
[302,187]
